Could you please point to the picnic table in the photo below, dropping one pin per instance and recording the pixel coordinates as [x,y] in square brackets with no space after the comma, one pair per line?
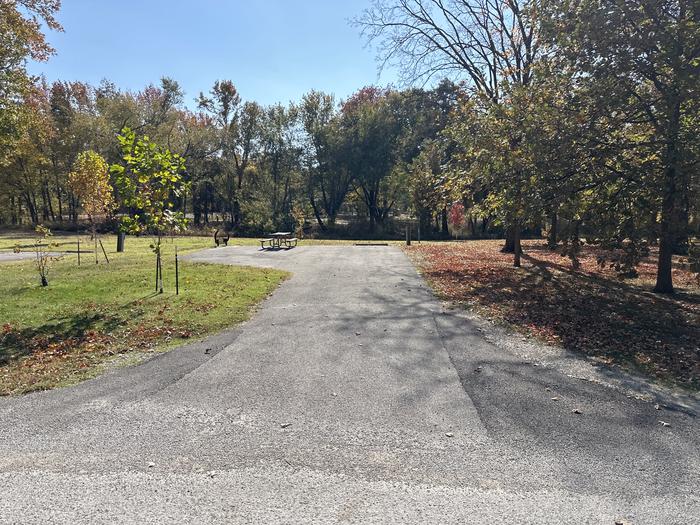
[279,239]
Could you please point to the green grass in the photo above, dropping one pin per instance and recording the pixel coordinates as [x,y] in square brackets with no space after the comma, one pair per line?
[94,316]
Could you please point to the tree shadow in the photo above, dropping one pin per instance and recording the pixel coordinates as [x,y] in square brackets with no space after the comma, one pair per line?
[16,344]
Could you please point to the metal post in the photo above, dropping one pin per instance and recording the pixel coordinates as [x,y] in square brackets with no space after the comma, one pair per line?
[104,252]
[160,273]
[177,275]
[408,236]
[78,251]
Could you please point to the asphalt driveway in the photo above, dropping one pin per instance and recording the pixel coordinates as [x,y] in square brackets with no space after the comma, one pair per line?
[352,396]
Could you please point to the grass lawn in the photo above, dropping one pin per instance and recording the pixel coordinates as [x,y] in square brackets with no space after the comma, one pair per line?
[590,311]
[93,316]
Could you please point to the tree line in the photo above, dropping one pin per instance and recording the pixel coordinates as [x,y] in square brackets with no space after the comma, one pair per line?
[574,119]
[252,167]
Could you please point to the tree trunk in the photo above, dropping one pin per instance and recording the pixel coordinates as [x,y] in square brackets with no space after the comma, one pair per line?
[196,208]
[517,250]
[31,208]
[445,226]
[472,226]
[664,279]
[317,213]
[236,218]
[552,234]
[669,211]
[509,246]
[424,222]
[484,226]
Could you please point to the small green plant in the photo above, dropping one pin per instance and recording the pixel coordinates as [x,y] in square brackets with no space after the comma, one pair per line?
[44,258]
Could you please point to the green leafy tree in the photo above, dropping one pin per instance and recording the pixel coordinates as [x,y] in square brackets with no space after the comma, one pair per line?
[148,180]
[238,125]
[427,184]
[328,181]
[370,134]
[640,61]
[494,154]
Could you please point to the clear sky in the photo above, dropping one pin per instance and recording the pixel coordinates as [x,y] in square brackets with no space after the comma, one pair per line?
[273,50]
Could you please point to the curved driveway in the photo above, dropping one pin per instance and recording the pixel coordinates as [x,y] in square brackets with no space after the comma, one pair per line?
[350,397]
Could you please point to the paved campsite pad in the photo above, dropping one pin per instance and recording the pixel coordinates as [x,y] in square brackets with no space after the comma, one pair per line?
[351,396]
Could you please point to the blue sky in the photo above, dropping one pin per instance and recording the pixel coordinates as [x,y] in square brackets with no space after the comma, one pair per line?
[273,50]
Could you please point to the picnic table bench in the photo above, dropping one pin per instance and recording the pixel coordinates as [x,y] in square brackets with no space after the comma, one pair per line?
[279,239]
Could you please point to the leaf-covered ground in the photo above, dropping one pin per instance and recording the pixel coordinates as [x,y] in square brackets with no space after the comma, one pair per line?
[589,311]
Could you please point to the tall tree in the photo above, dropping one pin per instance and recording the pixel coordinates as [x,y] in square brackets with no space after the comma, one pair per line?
[640,59]
[239,128]
[488,44]
[370,133]
[328,179]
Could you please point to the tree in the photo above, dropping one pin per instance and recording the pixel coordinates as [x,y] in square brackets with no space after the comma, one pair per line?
[481,41]
[89,182]
[640,60]
[148,179]
[21,37]
[27,167]
[198,144]
[44,258]
[494,154]
[369,133]
[239,129]
[279,163]
[328,179]
[488,44]
[456,217]
[427,183]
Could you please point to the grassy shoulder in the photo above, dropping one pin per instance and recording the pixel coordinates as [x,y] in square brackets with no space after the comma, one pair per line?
[93,316]
[590,311]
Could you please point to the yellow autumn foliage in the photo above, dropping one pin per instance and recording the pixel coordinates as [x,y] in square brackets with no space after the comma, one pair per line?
[89,182]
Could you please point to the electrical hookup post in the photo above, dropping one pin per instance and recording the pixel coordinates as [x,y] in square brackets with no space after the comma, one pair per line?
[408,235]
